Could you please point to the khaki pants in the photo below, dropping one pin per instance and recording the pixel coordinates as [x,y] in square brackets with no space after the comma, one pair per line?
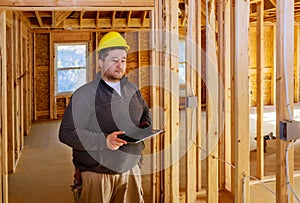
[110,188]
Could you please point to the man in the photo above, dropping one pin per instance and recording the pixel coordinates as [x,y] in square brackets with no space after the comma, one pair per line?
[97,114]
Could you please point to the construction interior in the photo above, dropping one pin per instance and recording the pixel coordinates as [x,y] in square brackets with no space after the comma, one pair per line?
[210,70]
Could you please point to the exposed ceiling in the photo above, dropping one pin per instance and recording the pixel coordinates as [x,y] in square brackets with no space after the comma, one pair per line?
[80,19]
[270,10]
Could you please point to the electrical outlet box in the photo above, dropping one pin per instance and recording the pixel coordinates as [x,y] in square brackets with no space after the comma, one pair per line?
[191,102]
[289,130]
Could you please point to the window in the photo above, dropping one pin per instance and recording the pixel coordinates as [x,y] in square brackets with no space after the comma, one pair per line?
[181,62]
[70,67]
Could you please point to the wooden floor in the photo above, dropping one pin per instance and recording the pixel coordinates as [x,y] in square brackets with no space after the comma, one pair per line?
[45,170]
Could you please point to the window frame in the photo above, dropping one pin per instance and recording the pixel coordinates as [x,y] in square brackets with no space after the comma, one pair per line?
[56,44]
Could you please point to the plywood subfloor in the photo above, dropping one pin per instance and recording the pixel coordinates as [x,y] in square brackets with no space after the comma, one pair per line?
[44,171]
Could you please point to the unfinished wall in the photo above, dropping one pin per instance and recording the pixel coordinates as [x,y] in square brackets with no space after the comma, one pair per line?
[51,106]
[19,86]
[268,71]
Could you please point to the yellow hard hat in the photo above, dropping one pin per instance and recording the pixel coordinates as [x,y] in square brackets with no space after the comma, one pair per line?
[112,39]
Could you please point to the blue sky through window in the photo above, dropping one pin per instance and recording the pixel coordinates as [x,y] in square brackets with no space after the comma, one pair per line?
[70,63]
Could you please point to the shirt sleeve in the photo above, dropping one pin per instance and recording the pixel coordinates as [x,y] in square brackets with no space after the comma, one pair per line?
[76,130]
[146,116]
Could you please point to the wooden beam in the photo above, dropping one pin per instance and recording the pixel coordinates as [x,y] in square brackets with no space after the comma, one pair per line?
[199,152]
[227,93]
[297,63]
[232,85]
[273,2]
[61,16]
[40,21]
[53,18]
[212,111]
[113,17]
[171,104]
[78,3]
[190,112]
[144,15]
[284,93]
[24,19]
[3,117]
[97,19]
[128,18]
[259,89]
[241,102]
[80,19]
[82,8]
[221,106]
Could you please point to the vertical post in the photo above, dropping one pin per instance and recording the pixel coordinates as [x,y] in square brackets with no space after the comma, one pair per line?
[53,112]
[221,106]
[212,81]
[171,102]
[241,101]
[3,152]
[260,100]
[297,61]
[227,91]
[154,100]
[284,92]
[190,115]
[198,14]
[232,84]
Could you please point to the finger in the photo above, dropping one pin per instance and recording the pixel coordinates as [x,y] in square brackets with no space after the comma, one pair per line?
[118,140]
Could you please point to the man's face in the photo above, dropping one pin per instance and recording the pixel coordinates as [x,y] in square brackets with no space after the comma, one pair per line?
[113,67]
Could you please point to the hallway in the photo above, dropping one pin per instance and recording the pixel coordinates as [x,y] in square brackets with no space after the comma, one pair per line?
[45,170]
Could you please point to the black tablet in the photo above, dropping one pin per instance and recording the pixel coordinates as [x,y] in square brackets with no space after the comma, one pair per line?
[140,135]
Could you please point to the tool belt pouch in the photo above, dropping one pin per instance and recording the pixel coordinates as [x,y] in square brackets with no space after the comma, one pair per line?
[77,186]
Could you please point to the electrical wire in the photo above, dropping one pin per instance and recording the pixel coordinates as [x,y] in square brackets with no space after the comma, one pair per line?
[226,162]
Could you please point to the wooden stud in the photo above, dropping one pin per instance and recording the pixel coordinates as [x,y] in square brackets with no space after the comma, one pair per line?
[10,100]
[241,102]
[190,112]
[227,93]
[260,99]
[232,88]
[171,104]
[21,86]
[284,92]
[297,62]
[17,86]
[174,116]
[212,132]
[221,102]
[3,163]
[199,52]
[52,74]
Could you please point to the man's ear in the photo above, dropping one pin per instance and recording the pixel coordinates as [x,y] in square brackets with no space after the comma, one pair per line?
[100,63]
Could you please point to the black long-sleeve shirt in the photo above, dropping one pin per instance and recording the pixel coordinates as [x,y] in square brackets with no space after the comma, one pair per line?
[96,110]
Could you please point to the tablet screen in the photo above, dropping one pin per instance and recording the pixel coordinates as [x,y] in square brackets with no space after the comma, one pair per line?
[140,135]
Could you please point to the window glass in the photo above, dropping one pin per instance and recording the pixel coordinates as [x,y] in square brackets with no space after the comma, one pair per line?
[70,66]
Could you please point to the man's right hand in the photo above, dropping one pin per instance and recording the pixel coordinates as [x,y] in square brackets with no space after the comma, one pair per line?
[113,142]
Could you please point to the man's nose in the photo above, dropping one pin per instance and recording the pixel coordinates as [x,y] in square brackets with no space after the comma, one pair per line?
[119,63]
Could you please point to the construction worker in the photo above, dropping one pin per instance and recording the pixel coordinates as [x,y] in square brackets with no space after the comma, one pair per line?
[107,167]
